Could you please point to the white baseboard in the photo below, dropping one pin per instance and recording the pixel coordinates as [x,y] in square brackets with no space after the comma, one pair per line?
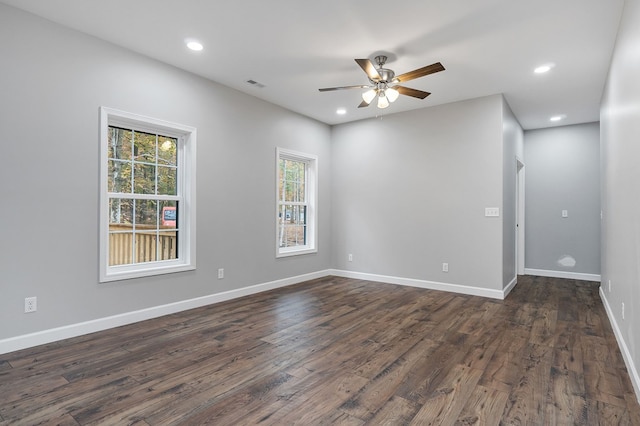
[73,330]
[510,287]
[431,285]
[562,274]
[628,360]
[59,333]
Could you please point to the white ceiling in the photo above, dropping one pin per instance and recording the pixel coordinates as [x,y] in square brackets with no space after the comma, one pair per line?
[295,47]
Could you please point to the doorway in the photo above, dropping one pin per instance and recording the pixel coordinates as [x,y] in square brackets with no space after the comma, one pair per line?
[519,216]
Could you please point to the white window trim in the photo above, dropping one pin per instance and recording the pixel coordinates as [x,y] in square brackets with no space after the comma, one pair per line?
[187,172]
[312,197]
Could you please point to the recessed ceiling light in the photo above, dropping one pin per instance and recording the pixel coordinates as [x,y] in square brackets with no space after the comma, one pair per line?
[543,68]
[558,117]
[341,111]
[194,45]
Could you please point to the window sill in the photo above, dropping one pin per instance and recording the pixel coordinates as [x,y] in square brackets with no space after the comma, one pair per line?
[295,252]
[124,274]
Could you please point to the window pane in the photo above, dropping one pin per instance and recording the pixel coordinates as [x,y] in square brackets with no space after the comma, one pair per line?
[145,246]
[144,147]
[120,214]
[292,227]
[144,178]
[292,180]
[167,151]
[301,191]
[280,179]
[120,248]
[292,235]
[167,180]
[168,245]
[146,214]
[168,236]
[299,215]
[168,214]
[119,141]
[119,178]
[120,231]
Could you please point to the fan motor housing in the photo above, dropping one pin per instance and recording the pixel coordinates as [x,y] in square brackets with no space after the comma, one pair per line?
[386,75]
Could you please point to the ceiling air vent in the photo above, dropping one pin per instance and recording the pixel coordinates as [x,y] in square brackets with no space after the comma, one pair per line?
[256,84]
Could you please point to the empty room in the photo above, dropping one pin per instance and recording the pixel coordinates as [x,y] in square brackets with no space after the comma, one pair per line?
[340,212]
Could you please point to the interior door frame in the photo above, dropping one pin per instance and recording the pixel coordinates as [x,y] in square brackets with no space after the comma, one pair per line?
[520,198]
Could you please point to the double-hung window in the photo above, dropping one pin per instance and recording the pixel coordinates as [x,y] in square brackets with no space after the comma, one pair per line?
[297,199]
[147,201]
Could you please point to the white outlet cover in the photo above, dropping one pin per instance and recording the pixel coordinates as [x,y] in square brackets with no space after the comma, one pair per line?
[492,211]
[30,304]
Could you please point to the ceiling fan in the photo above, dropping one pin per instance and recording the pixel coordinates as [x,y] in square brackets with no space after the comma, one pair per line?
[384,83]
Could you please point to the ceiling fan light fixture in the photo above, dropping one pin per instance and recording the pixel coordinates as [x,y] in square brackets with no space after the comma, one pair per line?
[383,82]
[383,102]
[391,94]
[369,95]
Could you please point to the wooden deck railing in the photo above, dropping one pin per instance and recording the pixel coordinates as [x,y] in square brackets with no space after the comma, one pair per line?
[147,241]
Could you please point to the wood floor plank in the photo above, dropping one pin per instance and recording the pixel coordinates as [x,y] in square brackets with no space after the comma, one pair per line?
[377,391]
[503,371]
[544,327]
[447,401]
[396,411]
[274,403]
[602,383]
[339,351]
[568,353]
[567,398]
[390,349]
[312,407]
[484,407]
[527,400]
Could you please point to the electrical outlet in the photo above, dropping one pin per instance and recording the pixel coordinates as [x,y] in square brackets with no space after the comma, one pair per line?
[622,310]
[492,211]
[350,257]
[445,267]
[220,273]
[30,304]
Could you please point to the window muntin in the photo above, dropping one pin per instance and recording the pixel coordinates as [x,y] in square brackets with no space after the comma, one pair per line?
[296,195]
[147,213]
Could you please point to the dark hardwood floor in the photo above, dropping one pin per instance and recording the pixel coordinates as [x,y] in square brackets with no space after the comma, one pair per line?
[339,351]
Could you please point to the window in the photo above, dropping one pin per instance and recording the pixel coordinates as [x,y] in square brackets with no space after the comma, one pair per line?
[296,195]
[147,199]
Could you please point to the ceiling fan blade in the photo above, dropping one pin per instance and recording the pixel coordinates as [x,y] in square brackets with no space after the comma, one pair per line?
[359,86]
[368,67]
[363,104]
[411,92]
[420,72]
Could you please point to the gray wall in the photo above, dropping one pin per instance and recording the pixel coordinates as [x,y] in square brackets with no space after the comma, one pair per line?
[409,192]
[52,82]
[562,166]
[620,127]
